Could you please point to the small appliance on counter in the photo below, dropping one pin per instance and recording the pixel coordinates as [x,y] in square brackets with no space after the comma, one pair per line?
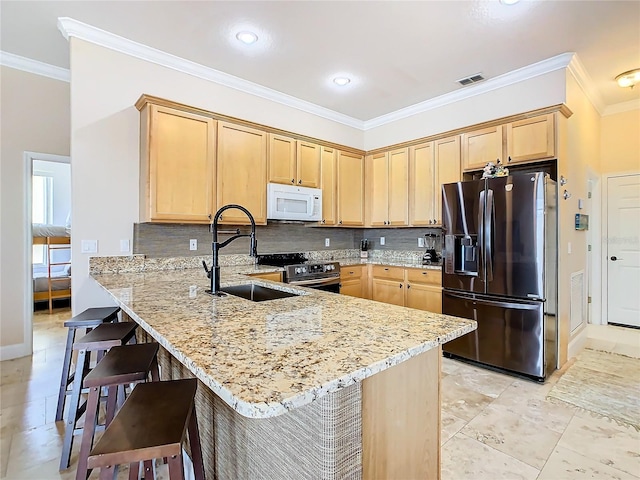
[364,248]
[431,255]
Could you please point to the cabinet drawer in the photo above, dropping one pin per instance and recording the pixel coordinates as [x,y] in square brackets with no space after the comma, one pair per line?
[273,276]
[431,277]
[395,273]
[351,271]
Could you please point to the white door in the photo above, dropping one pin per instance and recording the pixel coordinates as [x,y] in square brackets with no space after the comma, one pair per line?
[623,250]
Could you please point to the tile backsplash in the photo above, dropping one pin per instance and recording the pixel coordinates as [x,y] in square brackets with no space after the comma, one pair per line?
[172,240]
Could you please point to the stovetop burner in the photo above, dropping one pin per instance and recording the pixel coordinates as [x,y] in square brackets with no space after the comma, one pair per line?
[281,259]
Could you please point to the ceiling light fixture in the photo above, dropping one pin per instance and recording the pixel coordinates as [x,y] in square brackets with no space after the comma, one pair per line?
[342,81]
[509,2]
[629,79]
[247,37]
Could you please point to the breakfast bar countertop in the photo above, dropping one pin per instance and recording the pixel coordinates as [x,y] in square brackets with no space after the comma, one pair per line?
[266,358]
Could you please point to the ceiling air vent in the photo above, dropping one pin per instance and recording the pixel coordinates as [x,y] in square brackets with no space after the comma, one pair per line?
[471,79]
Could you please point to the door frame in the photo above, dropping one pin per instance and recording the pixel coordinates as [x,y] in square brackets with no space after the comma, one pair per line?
[603,235]
[29,157]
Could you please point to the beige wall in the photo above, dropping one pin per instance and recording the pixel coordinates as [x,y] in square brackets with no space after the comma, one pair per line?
[620,142]
[35,117]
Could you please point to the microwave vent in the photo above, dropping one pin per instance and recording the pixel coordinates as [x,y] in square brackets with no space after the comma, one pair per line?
[471,79]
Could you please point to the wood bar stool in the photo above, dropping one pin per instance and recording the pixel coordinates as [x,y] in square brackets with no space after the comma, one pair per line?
[89,319]
[152,423]
[100,339]
[121,365]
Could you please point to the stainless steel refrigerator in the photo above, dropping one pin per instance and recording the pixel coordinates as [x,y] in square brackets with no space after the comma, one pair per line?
[500,264]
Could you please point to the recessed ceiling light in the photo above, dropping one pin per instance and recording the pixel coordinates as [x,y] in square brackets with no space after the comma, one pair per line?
[629,79]
[342,81]
[509,2]
[247,37]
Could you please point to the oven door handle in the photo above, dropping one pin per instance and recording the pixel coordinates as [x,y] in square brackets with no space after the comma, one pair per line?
[316,281]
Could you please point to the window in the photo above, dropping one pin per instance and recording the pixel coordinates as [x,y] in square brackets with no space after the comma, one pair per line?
[41,210]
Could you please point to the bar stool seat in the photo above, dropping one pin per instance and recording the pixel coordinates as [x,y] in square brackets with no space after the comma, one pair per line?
[88,319]
[100,339]
[152,423]
[121,365]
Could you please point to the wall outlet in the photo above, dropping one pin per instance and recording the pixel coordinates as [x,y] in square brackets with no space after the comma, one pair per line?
[193,244]
[420,242]
[569,248]
[382,240]
[124,245]
[327,242]
[89,246]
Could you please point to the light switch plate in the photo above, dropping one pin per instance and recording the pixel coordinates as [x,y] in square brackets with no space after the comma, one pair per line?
[89,246]
[382,240]
[193,244]
[327,242]
[124,245]
[420,242]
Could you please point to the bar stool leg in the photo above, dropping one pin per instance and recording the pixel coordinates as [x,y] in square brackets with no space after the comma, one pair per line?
[134,470]
[108,473]
[64,380]
[73,408]
[176,469]
[148,470]
[90,421]
[111,404]
[196,450]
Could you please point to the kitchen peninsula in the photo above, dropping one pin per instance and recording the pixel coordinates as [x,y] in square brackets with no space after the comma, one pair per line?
[317,385]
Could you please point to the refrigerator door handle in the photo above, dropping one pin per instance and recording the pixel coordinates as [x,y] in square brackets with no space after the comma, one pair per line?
[496,303]
[481,209]
[489,223]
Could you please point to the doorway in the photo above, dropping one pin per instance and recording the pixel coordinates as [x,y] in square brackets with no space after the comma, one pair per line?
[621,245]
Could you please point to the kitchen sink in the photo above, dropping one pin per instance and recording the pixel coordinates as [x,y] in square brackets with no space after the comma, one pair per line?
[256,293]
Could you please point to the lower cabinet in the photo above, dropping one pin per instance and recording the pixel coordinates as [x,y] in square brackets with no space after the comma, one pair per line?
[387,284]
[410,287]
[273,276]
[353,281]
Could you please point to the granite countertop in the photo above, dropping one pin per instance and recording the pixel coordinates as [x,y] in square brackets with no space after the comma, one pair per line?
[407,263]
[265,358]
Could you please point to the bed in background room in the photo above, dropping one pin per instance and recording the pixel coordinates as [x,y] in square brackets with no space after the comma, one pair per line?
[52,279]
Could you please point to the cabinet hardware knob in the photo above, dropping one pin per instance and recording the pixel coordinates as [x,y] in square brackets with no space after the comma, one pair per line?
[293,180]
[340,222]
[300,181]
[400,285]
[408,287]
[386,269]
[209,216]
[509,158]
[614,258]
[323,220]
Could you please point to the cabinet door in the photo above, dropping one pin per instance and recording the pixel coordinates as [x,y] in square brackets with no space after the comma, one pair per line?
[447,166]
[282,159]
[350,189]
[421,181]
[242,172]
[424,297]
[531,139]
[351,287]
[387,291]
[179,176]
[308,164]
[481,146]
[328,185]
[399,187]
[378,189]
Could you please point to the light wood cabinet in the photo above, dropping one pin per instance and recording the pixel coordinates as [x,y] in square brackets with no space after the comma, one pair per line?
[388,188]
[526,140]
[353,280]
[481,147]
[350,189]
[242,172]
[447,170]
[387,284]
[424,289]
[422,185]
[273,276]
[328,181]
[293,162]
[531,139]
[177,182]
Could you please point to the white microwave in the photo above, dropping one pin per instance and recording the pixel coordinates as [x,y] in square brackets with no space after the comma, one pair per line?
[288,202]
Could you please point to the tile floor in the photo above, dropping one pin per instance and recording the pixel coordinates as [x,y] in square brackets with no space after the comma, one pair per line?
[494,426]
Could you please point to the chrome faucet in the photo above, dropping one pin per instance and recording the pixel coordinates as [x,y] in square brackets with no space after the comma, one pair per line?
[214,272]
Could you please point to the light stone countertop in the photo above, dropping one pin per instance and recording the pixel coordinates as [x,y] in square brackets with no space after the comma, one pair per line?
[265,358]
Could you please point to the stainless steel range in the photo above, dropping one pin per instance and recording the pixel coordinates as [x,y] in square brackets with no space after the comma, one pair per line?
[299,271]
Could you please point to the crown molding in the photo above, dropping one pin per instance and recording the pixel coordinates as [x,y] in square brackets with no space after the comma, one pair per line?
[73,28]
[34,66]
[530,71]
[585,82]
[622,107]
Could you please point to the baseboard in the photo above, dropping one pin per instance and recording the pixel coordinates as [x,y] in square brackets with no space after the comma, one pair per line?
[577,343]
[17,350]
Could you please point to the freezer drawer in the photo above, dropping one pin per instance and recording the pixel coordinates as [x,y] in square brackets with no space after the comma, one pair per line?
[510,335]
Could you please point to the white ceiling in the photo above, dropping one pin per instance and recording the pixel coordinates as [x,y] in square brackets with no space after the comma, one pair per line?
[398,53]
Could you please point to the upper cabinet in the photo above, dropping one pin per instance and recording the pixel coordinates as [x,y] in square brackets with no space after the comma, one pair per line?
[350,189]
[177,181]
[422,185]
[447,169]
[531,139]
[242,172]
[328,181]
[388,188]
[294,162]
[526,140]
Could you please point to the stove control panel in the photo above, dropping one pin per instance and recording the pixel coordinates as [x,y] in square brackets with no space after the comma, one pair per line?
[313,270]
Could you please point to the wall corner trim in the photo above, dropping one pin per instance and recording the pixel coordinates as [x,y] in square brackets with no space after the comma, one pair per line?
[34,66]
[622,107]
[584,80]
